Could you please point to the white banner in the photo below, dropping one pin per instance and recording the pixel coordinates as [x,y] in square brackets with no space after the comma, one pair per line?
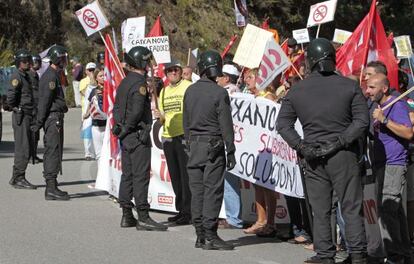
[321,13]
[252,45]
[160,47]
[301,35]
[240,10]
[341,36]
[403,44]
[274,61]
[262,156]
[132,29]
[92,18]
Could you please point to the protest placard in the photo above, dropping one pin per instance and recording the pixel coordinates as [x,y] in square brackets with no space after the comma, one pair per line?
[159,46]
[403,44]
[92,18]
[131,30]
[274,61]
[301,35]
[321,13]
[341,36]
[252,45]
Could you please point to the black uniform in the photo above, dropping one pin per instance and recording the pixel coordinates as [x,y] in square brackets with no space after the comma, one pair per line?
[207,123]
[50,112]
[132,110]
[20,99]
[329,107]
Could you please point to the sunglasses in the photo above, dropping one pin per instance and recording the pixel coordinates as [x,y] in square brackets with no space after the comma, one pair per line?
[173,70]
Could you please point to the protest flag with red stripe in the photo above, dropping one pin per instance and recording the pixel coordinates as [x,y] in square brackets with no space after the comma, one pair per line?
[228,47]
[156,31]
[367,43]
[112,80]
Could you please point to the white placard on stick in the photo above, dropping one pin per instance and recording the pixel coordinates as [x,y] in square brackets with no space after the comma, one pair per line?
[252,45]
[321,13]
[301,35]
[403,44]
[92,18]
[341,36]
[160,47]
[132,29]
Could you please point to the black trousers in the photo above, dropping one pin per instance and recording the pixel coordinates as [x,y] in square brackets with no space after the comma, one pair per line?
[22,144]
[177,166]
[53,142]
[339,173]
[207,187]
[136,165]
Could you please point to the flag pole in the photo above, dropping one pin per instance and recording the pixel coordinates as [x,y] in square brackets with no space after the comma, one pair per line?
[317,32]
[411,67]
[297,72]
[113,56]
[398,98]
[188,56]
[241,74]
[360,74]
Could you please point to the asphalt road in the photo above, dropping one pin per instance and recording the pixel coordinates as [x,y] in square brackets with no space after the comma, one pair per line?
[86,228]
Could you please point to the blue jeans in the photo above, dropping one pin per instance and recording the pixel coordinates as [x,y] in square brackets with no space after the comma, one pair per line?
[232,199]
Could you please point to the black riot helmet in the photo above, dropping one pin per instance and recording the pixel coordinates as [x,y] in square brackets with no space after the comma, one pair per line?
[36,61]
[100,56]
[172,64]
[58,55]
[210,64]
[321,56]
[138,57]
[21,55]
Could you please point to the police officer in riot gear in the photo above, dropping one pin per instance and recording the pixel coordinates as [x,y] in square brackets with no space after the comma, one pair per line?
[50,113]
[208,131]
[34,79]
[133,121]
[334,116]
[100,60]
[20,99]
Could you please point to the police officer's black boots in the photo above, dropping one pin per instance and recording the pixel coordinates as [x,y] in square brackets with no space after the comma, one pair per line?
[359,258]
[201,238]
[52,192]
[145,222]
[214,242]
[128,219]
[19,181]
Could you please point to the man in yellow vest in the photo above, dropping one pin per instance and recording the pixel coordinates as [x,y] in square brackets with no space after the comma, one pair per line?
[171,112]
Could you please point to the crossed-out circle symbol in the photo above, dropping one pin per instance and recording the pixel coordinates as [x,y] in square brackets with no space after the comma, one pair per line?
[320,13]
[90,18]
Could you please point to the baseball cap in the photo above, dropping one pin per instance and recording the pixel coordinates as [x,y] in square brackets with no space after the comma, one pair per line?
[230,69]
[90,65]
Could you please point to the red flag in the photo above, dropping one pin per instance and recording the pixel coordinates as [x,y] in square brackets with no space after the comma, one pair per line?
[367,43]
[112,80]
[228,47]
[265,24]
[390,38]
[157,31]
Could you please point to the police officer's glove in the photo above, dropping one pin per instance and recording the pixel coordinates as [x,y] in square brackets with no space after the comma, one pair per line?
[231,161]
[35,128]
[327,148]
[307,151]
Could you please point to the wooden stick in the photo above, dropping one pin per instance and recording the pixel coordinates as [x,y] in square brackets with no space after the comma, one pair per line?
[113,56]
[398,98]
[317,32]
[188,56]
[411,68]
[241,74]
[360,75]
[297,72]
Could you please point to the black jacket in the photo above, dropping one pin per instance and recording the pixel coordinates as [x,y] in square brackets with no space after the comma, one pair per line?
[20,92]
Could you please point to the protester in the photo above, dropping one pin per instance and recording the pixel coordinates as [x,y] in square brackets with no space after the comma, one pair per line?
[77,75]
[95,111]
[187,73]
[85,88]
[171,112]
[329,148]
[232,195]
[265,199]
[133,119]
[392,130]
[51,110]
[20,99]
[207,124]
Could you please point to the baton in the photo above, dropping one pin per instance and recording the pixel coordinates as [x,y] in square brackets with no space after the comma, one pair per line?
[33,147]
[58,126]
[305,193]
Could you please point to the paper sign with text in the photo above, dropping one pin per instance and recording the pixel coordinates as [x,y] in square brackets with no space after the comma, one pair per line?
[132,29]
[159,46]
[301,35]
[341,36]
[403,44]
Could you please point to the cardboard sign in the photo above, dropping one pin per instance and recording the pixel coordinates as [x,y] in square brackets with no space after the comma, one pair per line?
[341,36]
[252,45]
[301,35]
[92,18]
[274,61]
[321,13]
[160,47]
[132,29]
[403,44]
